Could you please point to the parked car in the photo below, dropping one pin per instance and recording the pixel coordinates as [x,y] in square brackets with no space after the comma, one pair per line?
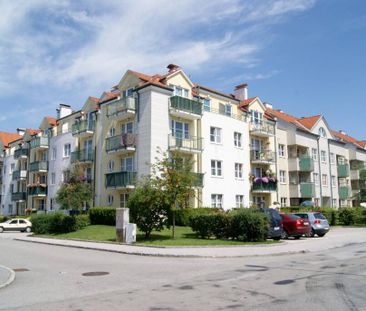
[294,226]
[274,223]
[19,224]
[319,224]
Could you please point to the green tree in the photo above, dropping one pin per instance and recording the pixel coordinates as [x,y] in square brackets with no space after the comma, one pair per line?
[148,208]
[74,192]
[173,175]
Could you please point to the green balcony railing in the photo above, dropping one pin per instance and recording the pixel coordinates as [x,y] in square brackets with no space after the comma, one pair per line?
[121,106]
[306,164]
[343,192]
[190,143]
[186,105]
[307,189]
[38,166]
[37,191]
[120,142]
[39,142]
[343,170]
[18,196]
[19,175]
[82,156]
[198,179]
[263,155]
[83,126]
[264,187]
[120,179]
[21,152]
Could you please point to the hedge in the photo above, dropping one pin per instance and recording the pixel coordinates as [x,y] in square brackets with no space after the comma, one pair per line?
[57,222]
[211,225]
[183,216]
[102,216]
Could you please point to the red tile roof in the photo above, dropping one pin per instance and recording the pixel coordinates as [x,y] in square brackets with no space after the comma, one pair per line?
[6,138]
[247,102]
[346,138]
[32,132]
[309,122]
[362,143]
[197,86]
[94,99]
[51,121]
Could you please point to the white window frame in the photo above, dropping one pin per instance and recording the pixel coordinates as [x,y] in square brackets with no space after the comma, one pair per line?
[256,117]
[127,164]
[316,179]
[215,135]
[238,170]
[314,154]
[239,200]
[283,178]
[216,168]
[206,104]
[111,166]
[216,200]
[237,140]
[323,156]
[334,181]
[110,199]
[67,150]
[53,178]
[281,150]
[332,158]
[324,180]
[228,110]
[283,202]
[123,199]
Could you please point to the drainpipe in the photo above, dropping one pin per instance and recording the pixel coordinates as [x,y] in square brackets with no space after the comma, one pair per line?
[330,175]
[320,173]
[276,163]
[95,156]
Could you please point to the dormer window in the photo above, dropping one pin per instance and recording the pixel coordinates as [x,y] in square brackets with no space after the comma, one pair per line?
[256,117]
[322,132]
[128,92]
[180,91]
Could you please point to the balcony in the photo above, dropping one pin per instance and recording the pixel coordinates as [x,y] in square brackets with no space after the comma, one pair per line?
[37,191]
[120,180]
[266,186]
[122,109]
[18,196]
[22,174]
[40,142]
[343,170]
[306,164]
[82,156]
[40,166]
[307,189]
[198,180]
[21,153]
[262,129]
[185,108]
[358,184]
[262,157]
[83,128]
[189,144]
[123,143]
[343,192]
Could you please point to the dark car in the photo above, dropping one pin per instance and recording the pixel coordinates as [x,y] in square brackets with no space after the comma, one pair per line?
[274,223]
[294,226]
[319,224]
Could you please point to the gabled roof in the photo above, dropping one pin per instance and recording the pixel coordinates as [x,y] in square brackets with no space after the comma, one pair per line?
[309,122]
[346,138]
[245,103]
[6,138]
[52,121]
[279,114]
[362,143]
[197,87]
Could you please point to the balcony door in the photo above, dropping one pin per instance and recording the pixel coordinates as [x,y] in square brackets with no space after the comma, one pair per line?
[180,131]
[88,148]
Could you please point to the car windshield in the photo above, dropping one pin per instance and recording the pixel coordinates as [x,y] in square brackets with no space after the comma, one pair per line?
[319,216]
[292,216]
[305,216]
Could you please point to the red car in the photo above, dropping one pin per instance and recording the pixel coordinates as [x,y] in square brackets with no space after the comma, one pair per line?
[295,226]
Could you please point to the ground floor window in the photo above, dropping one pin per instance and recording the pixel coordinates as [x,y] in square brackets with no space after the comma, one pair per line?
[343,203]
[239,200]
[42,205]
[259,201]
[216,200]
[123,198]
[110,200]
[283,202]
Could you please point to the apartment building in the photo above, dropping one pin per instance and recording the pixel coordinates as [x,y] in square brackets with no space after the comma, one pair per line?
[244,151]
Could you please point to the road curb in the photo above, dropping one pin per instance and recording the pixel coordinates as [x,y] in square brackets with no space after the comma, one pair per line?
[10,279]
[163,255]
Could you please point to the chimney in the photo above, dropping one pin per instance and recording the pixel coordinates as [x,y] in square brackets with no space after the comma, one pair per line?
[63,111]
[241,92]
[268,105]
[172,68]
[342,132]
[20,131]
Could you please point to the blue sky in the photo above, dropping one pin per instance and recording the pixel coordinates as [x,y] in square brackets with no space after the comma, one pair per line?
[303,56]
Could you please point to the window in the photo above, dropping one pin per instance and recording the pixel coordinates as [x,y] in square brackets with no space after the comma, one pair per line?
[283,202]
[332,158]
[53,178]
[239,201]
[237,139]
[51,204]
[322,132]
[216,200]
[256,117]
[127,164]
[179,91]
[206,104]
[282,177]
[54,153]
[127,128]
[112,132]
[256,144]
[123,198]
[12,166]
[67,150]
[316,178]
[343,203]
[324,180]
[216,168]
[128,92]
[180,129]
[281,150]
[110,166]
[215,135]
[314,153]
[323,156]
[238,170]
[228,110]
[110,199]
[334,181]
[65,176]
[65,128]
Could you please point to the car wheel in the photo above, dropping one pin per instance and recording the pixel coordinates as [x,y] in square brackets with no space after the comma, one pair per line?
[321,235]
[312,233]
[28,229]
[277,238]
[284,235]
[1,229]
[297,237]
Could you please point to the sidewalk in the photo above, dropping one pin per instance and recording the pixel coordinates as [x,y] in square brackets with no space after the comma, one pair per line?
[7,276]
[337,237]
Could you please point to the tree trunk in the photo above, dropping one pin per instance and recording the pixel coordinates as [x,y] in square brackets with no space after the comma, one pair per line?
[173,227]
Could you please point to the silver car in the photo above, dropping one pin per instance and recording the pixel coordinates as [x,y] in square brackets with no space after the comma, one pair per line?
[319,224]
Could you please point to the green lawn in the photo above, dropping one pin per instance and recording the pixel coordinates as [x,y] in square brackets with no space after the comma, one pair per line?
[184,237]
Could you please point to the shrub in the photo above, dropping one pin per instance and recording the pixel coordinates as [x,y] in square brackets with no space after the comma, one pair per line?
[248,225]
[347,216]
[183,216]
[41,223]
[102,216]
[331,214]
[211,225]
[82,221]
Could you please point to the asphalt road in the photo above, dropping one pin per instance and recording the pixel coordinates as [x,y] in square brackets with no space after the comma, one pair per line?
[51,278]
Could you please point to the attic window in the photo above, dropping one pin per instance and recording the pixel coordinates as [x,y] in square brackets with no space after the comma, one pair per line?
[322,132]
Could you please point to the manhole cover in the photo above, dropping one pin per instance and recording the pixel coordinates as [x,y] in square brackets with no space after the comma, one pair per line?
[20,270]
[284,282]
[96,273]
